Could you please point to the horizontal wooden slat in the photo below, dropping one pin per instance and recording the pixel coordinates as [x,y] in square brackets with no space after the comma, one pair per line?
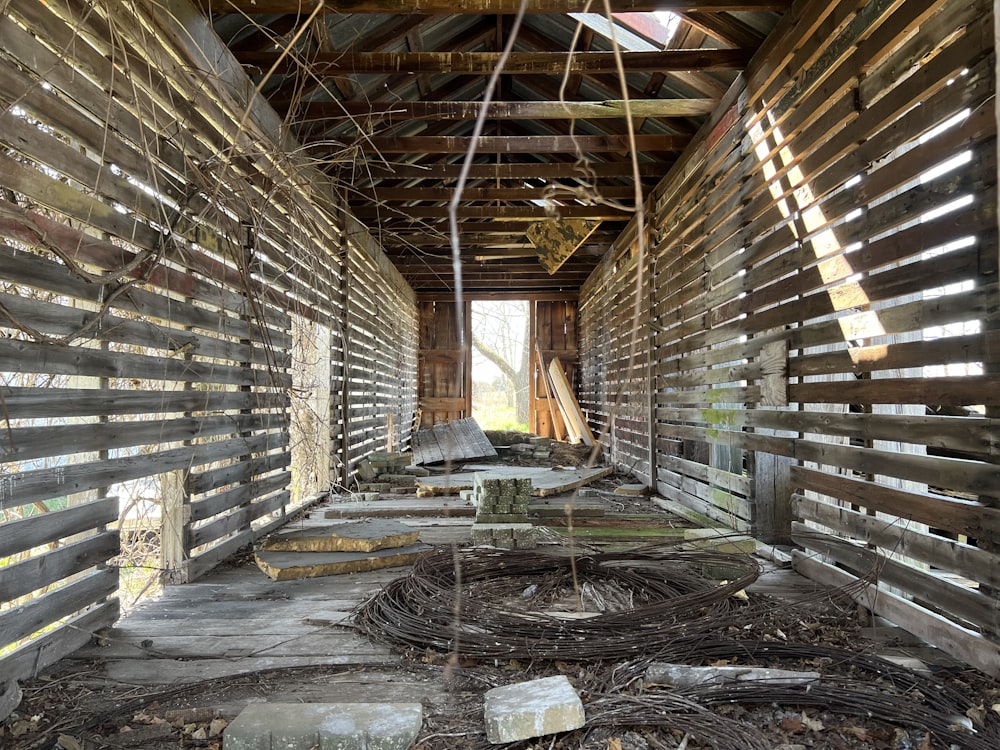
[30,486]
[33,657]
[31,617]
[939,594]
[38,571]
[974,563]
[45,403]
[26,443]
[960,642]
[961,517]
[34,531]
[245,492]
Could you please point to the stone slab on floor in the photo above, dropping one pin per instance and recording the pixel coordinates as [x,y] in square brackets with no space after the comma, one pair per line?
[369,535]
[324,726]
[290,566]
[532,709]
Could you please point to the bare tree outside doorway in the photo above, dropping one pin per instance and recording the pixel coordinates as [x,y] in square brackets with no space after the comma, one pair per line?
[500,364]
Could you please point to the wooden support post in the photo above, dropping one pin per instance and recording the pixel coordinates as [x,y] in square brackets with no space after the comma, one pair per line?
[175,517]
[467,359]
[345,337]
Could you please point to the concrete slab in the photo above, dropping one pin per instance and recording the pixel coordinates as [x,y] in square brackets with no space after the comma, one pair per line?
[324,726]
[532,709]
[364,536]
[289,566]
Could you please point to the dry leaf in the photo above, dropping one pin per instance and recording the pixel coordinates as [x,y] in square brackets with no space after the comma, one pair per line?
[814,724]
[858,732]
[977,714]
[216,727]
[69,743]
[615,743]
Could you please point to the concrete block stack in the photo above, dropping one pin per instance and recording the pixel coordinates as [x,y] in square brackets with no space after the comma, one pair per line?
[383,472]
[542,447]
[502,512]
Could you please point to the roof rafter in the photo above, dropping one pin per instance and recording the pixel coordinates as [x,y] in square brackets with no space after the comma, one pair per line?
[521,144]
[483,63]
[517,110]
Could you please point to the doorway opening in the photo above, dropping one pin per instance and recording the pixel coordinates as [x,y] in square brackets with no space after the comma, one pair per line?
[501,362]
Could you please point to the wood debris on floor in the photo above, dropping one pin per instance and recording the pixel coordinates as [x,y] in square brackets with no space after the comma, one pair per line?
[458,440]
[545,481]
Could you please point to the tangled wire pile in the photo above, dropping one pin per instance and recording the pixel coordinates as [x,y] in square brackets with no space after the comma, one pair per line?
[514,605]
[640,607]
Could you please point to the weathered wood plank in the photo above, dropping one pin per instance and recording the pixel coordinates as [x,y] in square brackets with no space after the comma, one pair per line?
[228,499]
[42,484]
[34,531]
[44,569]
[940,594]
[33,657]
[26,443]
[237,520]
[964,644]
[898,538]
[28,356]
[34,615]
[43,403]
[975,520]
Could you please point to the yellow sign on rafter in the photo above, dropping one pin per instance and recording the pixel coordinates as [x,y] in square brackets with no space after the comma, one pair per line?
[555,240]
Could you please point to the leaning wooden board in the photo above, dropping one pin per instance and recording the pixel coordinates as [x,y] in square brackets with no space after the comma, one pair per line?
[544,481]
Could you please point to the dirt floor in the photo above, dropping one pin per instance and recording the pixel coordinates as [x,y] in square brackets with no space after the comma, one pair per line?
[861,700]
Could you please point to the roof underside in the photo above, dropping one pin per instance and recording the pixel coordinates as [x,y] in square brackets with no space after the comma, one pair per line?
[386,95]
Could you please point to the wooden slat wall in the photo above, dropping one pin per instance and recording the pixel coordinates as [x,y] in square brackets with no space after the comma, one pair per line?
[824,316]
[614,336]
[382,365]
[156,236]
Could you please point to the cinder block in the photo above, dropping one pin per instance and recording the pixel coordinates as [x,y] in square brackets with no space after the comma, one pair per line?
[417,471]
[366,471]
[532,709]
[324,726]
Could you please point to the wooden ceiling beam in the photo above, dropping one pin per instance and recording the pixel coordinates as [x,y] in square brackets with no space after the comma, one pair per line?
[483,63]
[503,239]
[484,7]
[430,229]
[521,144]
[445,193]
[524,110]
[518,171]
[526,212]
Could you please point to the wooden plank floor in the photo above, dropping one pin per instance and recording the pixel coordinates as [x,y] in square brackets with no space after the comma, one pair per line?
[235,621]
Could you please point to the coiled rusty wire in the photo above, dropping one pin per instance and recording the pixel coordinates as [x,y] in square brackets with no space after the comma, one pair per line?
[452,604]
[460,603]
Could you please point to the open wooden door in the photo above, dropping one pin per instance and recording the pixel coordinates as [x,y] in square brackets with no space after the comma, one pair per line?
[444,367]
[553,334]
